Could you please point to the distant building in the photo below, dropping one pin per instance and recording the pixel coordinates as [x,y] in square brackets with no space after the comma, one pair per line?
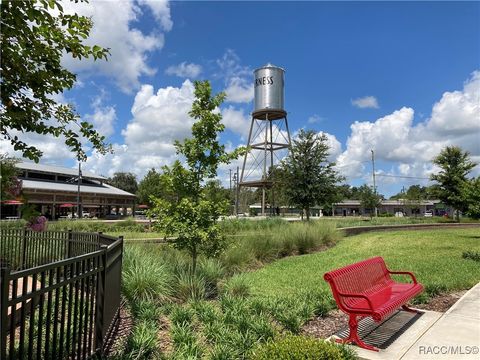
[393,207]
[283,210]
[53,191]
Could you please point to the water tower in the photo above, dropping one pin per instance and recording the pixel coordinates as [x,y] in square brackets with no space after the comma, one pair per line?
[269,137]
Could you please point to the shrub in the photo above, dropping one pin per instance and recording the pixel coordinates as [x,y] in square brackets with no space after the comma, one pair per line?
[265,247]
[181,315]
[435,289]
[237,286]
[206,312]
[144,278]
[472,255]
[212,271]
[185,342]
[222,352]
[142,342]
[190,287]
[301,348]
[238,256]
[146,311]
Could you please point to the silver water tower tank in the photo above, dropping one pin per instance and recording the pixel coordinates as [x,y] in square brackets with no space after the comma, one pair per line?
[269,88]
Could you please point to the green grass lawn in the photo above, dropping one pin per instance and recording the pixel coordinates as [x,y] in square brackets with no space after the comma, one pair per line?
[435,256]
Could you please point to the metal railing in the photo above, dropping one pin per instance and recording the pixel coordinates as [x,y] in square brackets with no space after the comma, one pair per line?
[59,293]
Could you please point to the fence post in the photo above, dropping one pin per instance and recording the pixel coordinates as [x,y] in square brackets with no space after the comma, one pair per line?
[24,248]
[100,302]
[69,244]
[4,290]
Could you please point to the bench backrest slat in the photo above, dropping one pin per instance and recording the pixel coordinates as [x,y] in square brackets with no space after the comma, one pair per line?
[360,278]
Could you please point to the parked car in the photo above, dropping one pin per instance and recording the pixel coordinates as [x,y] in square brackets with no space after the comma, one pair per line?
[428,213]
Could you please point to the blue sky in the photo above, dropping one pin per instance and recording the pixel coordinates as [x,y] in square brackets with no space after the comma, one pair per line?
[399,77]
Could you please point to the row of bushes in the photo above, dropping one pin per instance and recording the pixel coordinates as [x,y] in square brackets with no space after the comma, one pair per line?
[128,225]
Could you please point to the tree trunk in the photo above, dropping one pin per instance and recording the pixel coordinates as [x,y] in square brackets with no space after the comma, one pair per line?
[307,210]
[457,215]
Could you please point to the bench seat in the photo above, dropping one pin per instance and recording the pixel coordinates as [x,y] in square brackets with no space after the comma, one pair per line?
[367,289]
[385,301]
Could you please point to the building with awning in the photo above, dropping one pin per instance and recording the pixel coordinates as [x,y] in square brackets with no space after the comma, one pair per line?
[54,190]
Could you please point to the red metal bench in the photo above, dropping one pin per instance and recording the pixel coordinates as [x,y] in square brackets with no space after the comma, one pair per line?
[366,289]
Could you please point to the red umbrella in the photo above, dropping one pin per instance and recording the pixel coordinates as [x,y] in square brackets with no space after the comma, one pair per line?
[12,202]
[142,206]
[68,205]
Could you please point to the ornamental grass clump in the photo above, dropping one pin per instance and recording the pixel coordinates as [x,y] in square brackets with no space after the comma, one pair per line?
[142,342]
[144,277]
[190,287]
[237,286]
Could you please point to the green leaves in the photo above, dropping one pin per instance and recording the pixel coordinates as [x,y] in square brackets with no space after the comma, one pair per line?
[188,209]
[455,165]
[307,177]
[33,42]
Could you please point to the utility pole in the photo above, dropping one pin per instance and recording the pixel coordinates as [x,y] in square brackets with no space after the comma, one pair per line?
[373,174]
[230,191]
[79,180]
[236,189]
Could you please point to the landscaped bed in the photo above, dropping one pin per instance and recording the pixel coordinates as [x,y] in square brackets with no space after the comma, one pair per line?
[178,316]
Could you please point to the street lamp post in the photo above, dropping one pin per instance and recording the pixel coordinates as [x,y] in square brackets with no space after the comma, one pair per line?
[79,180]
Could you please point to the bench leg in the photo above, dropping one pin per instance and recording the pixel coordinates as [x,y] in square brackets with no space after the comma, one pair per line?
[353,335]
[409,309]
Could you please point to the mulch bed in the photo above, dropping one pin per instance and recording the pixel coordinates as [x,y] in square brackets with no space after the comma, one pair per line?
[119,338]
[320,327]
[335,320]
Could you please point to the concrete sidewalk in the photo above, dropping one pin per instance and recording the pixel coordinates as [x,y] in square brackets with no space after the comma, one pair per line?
[456,335]
[452,335]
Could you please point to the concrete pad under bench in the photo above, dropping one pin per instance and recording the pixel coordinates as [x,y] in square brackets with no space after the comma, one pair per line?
[404,341]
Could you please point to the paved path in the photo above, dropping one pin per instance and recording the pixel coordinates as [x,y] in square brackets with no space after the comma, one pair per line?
[456,335]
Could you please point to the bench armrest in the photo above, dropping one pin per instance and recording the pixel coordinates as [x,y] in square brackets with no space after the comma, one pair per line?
[405,273]
[357,296]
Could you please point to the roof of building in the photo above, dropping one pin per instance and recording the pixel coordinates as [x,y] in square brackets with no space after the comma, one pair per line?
[52,169]
[399,202]
[103,189]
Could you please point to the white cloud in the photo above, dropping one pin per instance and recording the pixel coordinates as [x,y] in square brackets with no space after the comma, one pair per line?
[54,149]
[161,11]
[129,47]
[458,112]
[314,119]
[236,120]
[159,118]
[366,102]
[238,78]
[335,147]
[455,120]
[103,117]
[184,70]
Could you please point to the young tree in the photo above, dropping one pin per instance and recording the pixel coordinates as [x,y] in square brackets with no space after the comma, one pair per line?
[125,181]
[33,42]
[308,178]
[455,165]
[369,199]
[192,216]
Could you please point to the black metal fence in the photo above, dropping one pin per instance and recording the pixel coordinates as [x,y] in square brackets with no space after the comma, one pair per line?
[59,293]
